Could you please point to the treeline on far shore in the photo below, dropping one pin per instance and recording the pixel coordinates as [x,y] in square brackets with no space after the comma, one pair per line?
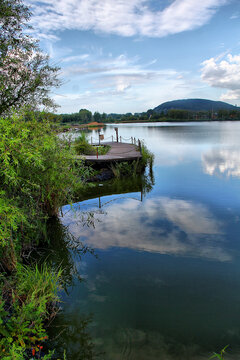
[85,116]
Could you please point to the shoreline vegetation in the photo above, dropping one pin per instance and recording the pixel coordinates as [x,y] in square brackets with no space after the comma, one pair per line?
[75,126]
[38,175]
[84,117]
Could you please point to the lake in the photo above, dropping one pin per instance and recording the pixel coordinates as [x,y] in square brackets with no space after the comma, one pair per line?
[159,275]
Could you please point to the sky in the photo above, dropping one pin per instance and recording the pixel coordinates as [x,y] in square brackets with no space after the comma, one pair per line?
[119,56]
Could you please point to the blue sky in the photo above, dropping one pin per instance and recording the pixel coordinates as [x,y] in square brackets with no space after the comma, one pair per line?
[132,55]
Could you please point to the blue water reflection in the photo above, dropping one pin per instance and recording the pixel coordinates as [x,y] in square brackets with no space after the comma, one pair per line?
[167,281]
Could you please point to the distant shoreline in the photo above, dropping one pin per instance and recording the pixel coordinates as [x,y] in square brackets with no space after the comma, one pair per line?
[170,121]
[89,126]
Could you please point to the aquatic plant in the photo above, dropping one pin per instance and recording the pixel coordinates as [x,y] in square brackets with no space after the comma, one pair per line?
[219,355]
[121,169]
[147,156]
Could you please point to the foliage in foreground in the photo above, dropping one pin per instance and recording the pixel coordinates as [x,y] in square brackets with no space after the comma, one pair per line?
[37,175]
[24,308]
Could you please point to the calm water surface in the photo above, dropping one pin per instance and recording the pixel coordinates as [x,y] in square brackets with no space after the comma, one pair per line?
[166,280]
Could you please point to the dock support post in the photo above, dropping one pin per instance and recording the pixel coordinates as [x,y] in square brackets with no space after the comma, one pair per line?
[120,139]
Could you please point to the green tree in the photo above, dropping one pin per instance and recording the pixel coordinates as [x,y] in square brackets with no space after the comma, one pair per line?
[97,116]
[104,117]
[85,116]
[25,73]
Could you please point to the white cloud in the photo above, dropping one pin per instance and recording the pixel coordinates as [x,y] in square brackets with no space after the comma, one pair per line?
[234,16]
[224,162]
[223,72]
[116,84]
[75,58]
[163,225]
[122,17]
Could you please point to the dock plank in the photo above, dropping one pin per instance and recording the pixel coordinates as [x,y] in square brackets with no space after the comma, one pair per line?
[118,152]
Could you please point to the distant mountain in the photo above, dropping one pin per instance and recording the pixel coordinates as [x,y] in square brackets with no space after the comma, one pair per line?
[195,105]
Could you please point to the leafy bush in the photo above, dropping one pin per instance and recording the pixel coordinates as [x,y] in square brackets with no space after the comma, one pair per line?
[38,174]
[82,147]
[103,149]
[24,307]
[85,149]
[135,167]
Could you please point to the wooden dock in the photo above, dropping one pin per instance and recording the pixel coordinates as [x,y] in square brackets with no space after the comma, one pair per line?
[118,152]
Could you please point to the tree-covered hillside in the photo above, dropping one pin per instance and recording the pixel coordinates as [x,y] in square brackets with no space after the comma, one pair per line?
[194,105]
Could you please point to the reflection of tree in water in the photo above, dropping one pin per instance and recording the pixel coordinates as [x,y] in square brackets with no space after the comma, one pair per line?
[64,248]
[70,334]
[66,332]
[140,183]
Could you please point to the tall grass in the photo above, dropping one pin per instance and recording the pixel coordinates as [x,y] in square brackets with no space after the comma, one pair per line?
[219,355]
[121,169]
[82,146]
[147,156]
[25,301]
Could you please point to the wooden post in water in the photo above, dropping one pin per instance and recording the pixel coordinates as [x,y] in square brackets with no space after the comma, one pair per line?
[97,152]
[132,139]
[140,146]
[91,140]
[116,129]
[112,138]
[120,139]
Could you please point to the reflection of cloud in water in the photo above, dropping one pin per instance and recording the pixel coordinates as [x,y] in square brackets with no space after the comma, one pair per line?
[130,343]
[176,154]
[222,161]
[151,345]
[163,225]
